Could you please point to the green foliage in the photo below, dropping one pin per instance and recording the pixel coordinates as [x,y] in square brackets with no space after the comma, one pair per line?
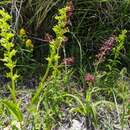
[9,52]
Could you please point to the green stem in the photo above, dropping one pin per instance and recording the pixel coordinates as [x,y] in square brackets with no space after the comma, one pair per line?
[13,86]
[40,87]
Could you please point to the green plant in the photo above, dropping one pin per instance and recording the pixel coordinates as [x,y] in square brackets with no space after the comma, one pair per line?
[52,93]
[9,51]
[53,60]
[52,96]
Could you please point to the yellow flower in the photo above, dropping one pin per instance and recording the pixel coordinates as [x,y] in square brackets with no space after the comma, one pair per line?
[29,43]
[22,32]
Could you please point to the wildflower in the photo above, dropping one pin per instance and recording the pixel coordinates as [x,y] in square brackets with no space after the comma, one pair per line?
[29,43]
[89,77]
[107,46]
[22,32]
[68,61]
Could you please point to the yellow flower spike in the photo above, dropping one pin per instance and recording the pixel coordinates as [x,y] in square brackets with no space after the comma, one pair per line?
[29,43]
[22,32]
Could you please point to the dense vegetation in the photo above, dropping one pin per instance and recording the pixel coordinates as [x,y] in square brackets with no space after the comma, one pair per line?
[63,61]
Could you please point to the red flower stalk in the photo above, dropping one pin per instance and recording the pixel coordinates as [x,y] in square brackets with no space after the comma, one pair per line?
[107,46]
[68,61]
[89,77]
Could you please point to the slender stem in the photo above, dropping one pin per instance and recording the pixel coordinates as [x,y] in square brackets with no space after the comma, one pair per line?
[41,85]
[13,86]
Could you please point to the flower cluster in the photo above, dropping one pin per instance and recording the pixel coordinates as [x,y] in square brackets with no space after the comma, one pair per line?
[28,42]
[68,61]
[107,46]
[89,77]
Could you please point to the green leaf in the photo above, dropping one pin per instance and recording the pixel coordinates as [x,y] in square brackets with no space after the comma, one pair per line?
[14,110]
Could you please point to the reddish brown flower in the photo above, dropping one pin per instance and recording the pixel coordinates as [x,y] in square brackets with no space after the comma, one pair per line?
[89,77]
[68,61]
[107,46]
